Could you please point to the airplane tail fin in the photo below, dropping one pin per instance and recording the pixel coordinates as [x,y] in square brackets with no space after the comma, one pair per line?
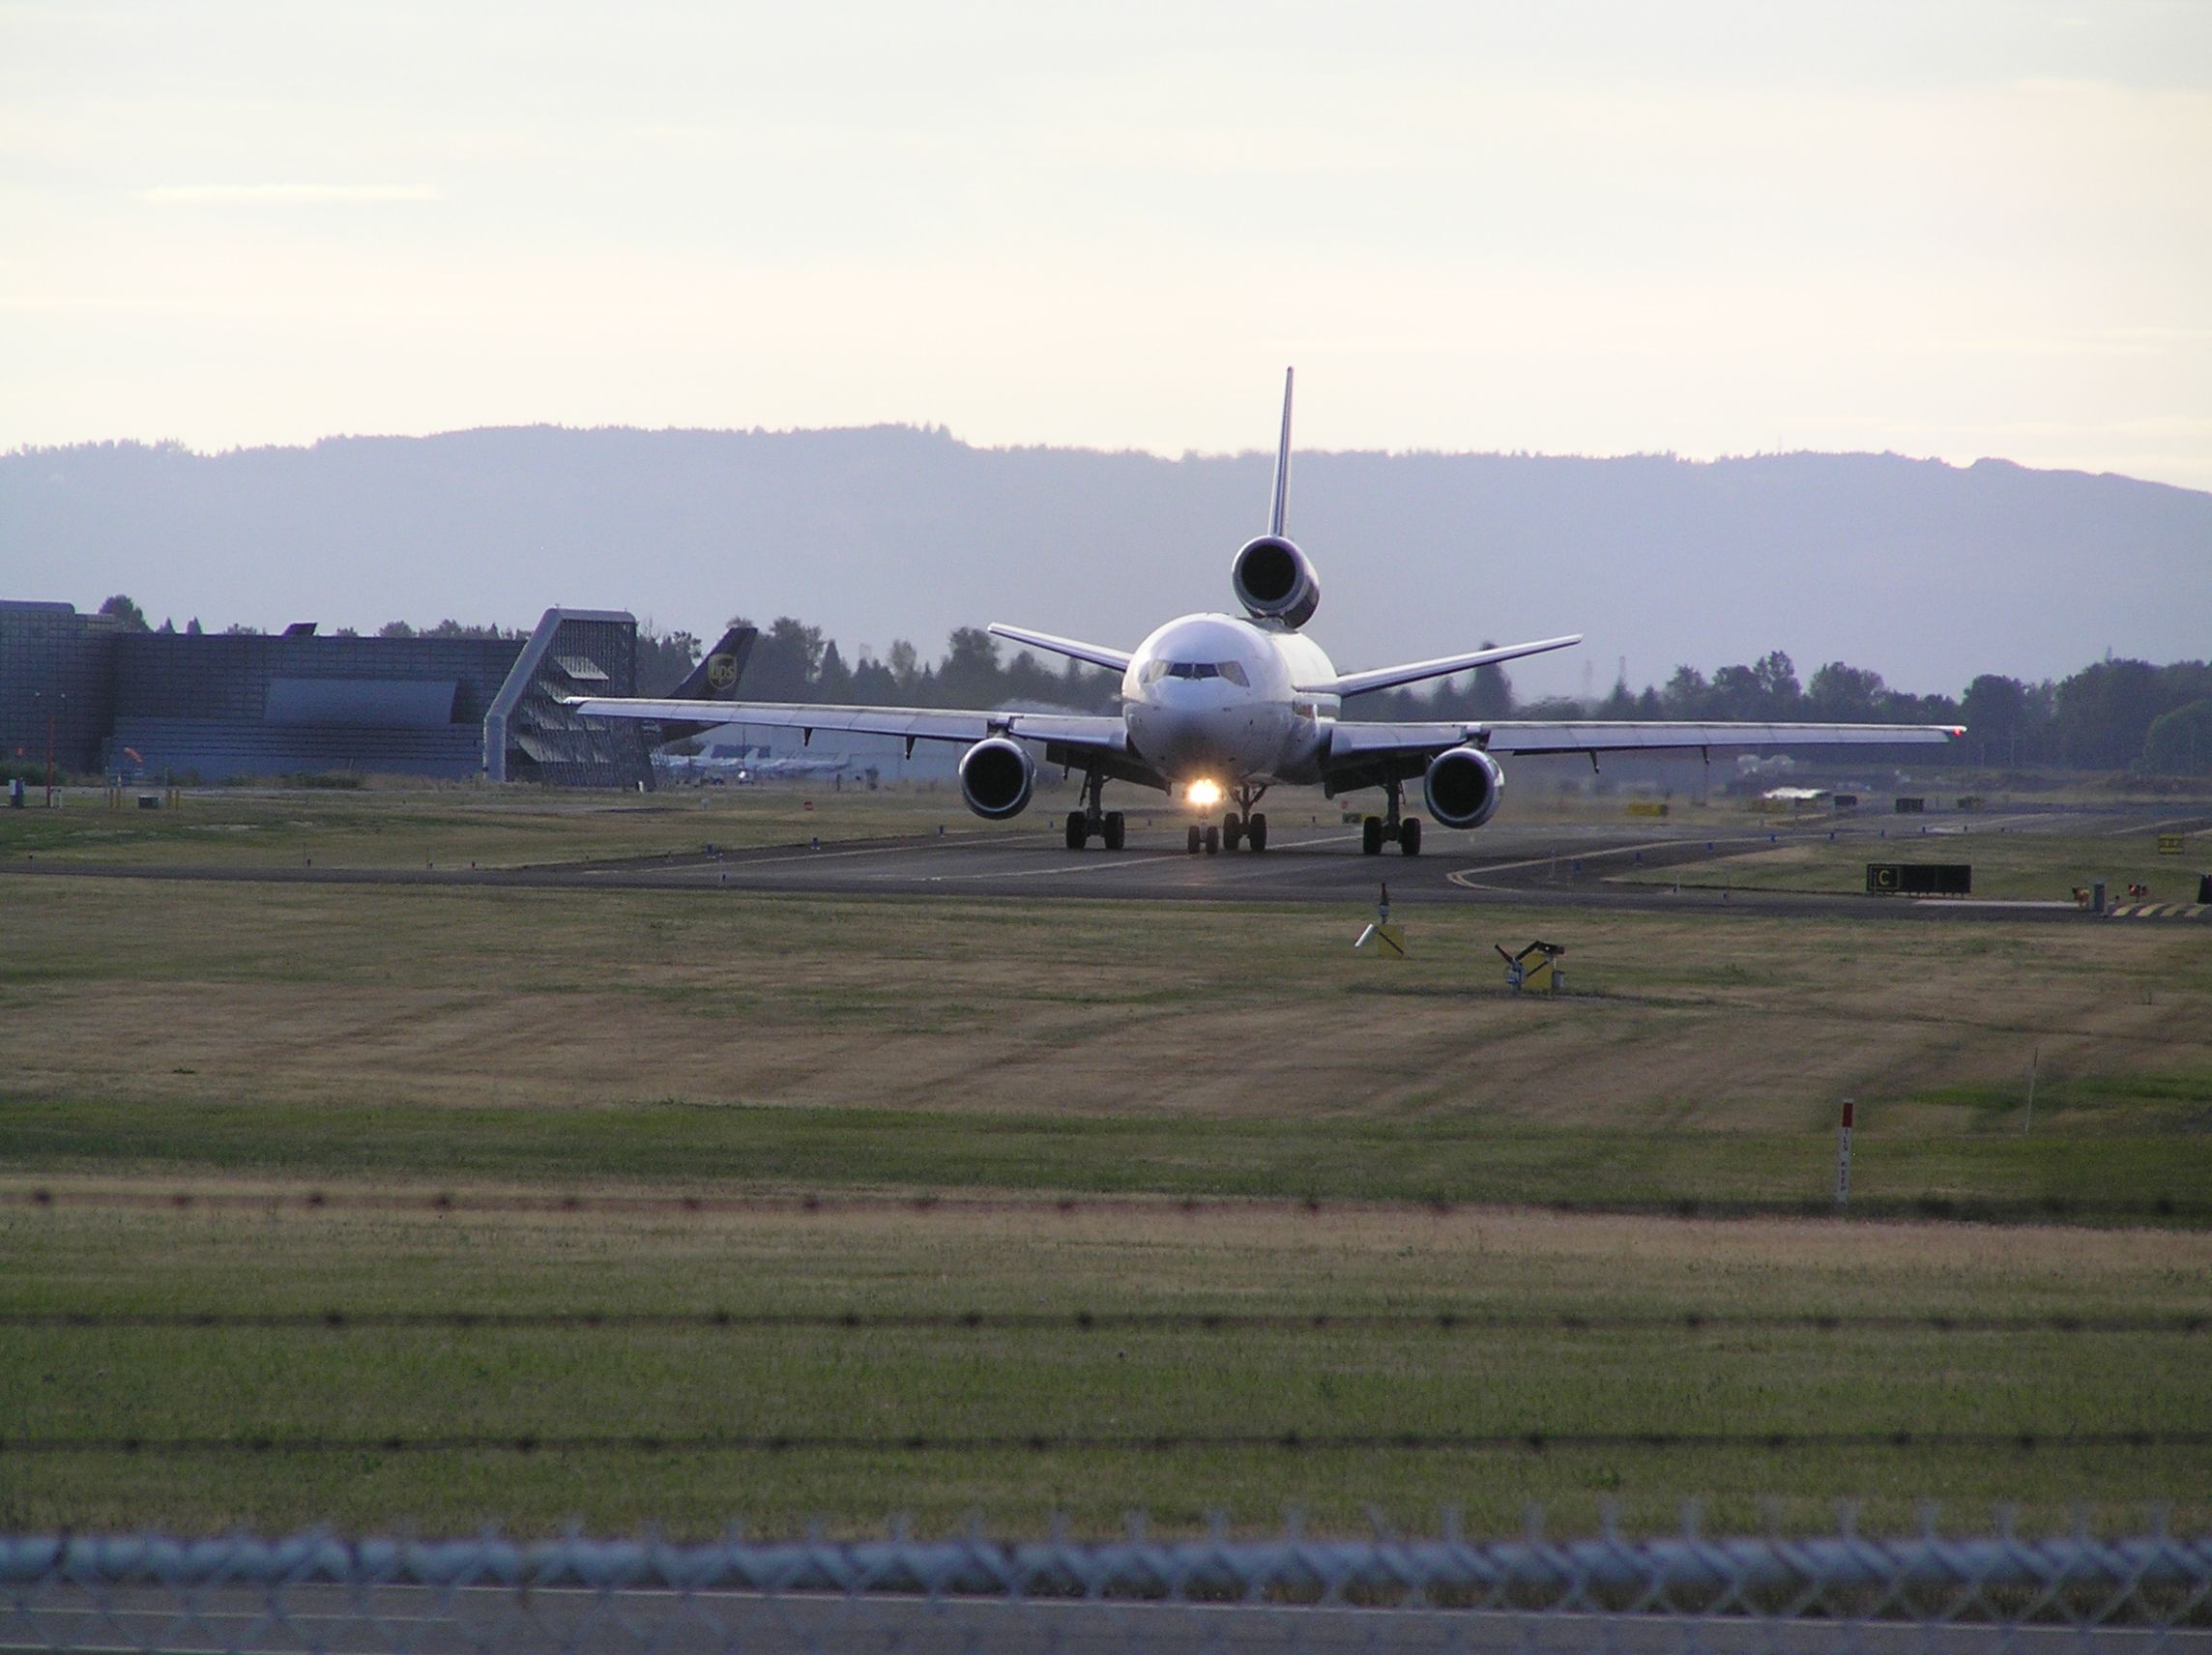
[1282,504]
[716,677]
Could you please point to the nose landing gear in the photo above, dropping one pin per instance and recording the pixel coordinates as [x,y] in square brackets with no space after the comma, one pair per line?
[1248,829]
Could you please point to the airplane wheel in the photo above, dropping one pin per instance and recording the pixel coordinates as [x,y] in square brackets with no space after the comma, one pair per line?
[1371,837]
[1256,831]
[1410,837]
[1232,831]
[1078,831]
[1212,840]
[1116,830]
[1197,839]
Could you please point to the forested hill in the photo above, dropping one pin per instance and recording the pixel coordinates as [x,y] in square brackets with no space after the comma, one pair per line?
[1931,572]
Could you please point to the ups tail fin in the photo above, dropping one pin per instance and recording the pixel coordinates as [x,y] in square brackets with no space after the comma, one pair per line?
[716,677]
[1282,506]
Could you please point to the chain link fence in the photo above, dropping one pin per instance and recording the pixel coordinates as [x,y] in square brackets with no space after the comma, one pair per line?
[1681,1594]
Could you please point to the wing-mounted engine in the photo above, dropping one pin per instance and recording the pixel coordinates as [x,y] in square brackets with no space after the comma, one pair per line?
[1275,582]
[996,776]
[1464,785]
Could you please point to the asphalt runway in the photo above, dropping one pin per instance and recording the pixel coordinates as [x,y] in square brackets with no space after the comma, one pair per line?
[1652,866]
[349,1621]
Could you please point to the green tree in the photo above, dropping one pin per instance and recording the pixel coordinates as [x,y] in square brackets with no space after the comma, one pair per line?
[970,676]
[833,680]
[122,609]
[2104,712]
[663,659]
[2004,719]
[1845,695]
[2180,742]
[1687,695]
[786,657]
[1490,695]
[1779,696]
[905,664]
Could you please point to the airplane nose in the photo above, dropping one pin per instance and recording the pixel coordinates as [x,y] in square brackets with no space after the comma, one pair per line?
[1170,735]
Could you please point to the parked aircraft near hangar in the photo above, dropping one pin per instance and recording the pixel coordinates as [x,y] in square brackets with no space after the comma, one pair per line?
[1220,706]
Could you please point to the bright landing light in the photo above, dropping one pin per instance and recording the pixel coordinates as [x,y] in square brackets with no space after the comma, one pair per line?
[1204,793]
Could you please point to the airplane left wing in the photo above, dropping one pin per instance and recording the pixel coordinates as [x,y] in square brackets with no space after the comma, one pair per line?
[1403,750]
[1097,655]
[1094,732]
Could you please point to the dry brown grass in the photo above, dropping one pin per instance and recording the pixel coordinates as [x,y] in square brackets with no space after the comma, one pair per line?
[236,992]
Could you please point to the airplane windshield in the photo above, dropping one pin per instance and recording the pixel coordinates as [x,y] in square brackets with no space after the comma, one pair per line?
[1233,671]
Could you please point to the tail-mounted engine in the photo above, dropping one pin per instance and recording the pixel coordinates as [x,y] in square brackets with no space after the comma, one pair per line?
[1464,786]
[996,776]
[1274,581]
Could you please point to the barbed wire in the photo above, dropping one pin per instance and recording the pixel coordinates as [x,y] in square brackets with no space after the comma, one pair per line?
[1450,1321]
[2029,1439]
[1694,1591]
[450,1203]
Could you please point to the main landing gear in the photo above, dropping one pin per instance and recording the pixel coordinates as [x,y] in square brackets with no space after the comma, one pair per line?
[1248,829]
[1404,831]
[1111,827]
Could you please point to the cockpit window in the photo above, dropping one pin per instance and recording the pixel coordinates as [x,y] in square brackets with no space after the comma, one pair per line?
[1233,671]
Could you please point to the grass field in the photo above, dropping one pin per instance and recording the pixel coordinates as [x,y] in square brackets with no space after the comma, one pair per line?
[359,1040]
[894,1382]
[2008,865]
[454,827]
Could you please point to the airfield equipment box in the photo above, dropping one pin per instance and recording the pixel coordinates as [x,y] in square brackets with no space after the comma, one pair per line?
[1535,969]
[1919,879]
[1906,805]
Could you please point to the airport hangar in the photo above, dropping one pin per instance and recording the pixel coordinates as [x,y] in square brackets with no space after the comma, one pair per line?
[217,707]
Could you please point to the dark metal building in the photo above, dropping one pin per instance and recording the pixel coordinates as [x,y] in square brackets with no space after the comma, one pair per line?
[56,683]
[218,708]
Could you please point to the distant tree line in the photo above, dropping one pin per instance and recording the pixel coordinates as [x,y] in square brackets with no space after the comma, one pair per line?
[2111,716]
[793,662]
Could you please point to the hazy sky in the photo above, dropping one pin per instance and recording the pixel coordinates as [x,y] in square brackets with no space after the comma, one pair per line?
[1949,229]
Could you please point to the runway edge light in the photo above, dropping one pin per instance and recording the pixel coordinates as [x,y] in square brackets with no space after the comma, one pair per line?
[1382,938]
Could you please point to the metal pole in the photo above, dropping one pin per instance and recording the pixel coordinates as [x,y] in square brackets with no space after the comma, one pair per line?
[49,758]
[1843,1157]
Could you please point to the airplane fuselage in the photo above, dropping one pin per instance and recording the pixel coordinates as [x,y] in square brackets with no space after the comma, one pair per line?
[1216,698]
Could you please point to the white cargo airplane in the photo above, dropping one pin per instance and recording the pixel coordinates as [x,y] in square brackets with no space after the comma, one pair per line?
[1219,707]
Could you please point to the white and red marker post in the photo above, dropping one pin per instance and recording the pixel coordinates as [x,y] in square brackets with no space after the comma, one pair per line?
[1843,1157]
